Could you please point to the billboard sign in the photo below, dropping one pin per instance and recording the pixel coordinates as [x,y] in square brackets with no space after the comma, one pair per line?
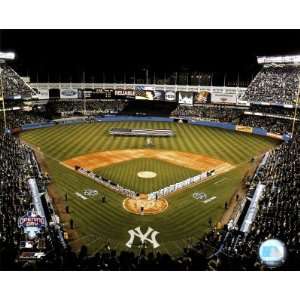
[242,128]
[275,136]
[80,93]
[85,93]
[124,94]
[88,93]
[103,93]
[31,223]
[202,97]
[144,93]
[68,93]
[159,95]
[170,96]
[14,97]
[223,98]
[185,98]
[43,94]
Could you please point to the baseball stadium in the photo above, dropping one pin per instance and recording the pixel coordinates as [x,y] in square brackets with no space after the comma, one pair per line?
[153,175]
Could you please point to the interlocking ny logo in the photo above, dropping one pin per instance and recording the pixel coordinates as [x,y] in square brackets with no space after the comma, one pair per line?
[143,237]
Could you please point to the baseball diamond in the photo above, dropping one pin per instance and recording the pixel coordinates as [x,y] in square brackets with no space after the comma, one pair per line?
[193,150]
[123,157]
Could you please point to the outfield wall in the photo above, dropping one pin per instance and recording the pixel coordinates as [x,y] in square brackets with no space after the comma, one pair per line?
[223,125]
[37,125]
[114,118]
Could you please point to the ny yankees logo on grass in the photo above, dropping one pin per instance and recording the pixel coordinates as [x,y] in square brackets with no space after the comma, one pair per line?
[143,237]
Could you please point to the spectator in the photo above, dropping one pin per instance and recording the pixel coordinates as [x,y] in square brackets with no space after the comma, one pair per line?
[275,84]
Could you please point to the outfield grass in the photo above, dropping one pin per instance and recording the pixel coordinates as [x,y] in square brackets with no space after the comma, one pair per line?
[63,142]
[185,217]
[125,174]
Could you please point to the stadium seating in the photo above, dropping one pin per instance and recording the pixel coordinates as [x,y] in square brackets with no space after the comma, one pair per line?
[17,165]
[274,125]
[221,113]
[274,84]
[277,216]
[89,106]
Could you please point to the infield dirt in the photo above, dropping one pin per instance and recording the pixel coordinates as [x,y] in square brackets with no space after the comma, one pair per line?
[185,159]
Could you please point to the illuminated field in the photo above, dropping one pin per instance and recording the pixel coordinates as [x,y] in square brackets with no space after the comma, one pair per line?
[185,216]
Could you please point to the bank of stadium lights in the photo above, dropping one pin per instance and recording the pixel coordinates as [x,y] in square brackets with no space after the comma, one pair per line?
[288,59]
[7,56]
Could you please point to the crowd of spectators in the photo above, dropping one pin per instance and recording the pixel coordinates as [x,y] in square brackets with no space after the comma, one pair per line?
[17,165]
[277,216]
[273,125]
[18,118]
[89,106]
[219,113]
[273,119]
[14,193]
[275,84]
[13,85]
[275,110]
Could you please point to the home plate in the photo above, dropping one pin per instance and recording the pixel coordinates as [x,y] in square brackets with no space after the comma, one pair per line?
[209,199]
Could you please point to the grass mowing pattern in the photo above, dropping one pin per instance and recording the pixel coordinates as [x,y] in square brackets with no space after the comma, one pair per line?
[63,142]
[185,218]
[125,174]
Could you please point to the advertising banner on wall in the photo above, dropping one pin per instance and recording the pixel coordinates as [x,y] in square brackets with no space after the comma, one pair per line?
[243,128]
[159,95]
[185,98]
[124,94]
[103,93]
[88,93]
[43,94]
[275,136]
[202,97]
[68,93]
[242,102]
[222,98]
[170,96]
[144,93]
[31,223]
[80,93]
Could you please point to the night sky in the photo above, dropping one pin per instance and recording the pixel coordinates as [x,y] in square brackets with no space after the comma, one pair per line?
[63,55]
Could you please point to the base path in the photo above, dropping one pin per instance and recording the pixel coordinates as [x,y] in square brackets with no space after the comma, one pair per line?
[103,159]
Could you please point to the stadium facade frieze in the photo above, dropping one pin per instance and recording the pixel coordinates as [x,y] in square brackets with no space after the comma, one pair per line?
[115,86]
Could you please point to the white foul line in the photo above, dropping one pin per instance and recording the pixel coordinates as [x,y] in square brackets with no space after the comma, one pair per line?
[81,196]
[220,180]
[210,199]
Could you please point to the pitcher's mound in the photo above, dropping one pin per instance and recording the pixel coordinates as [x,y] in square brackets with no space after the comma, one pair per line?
[146,174]
[142,206]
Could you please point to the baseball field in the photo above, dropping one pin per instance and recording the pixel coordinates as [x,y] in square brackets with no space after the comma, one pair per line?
[127,161]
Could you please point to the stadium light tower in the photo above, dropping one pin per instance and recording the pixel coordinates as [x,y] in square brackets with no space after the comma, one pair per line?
[4,56]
